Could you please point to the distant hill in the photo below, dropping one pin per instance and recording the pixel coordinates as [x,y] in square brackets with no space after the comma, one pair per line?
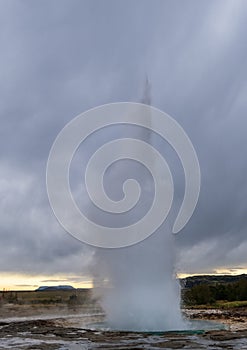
[49,288]
[210,290]
[192,281]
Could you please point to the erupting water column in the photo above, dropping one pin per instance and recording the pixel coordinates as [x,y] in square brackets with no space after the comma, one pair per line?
[128,196]
[140,290]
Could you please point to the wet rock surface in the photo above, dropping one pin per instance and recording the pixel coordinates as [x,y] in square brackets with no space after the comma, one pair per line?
[56,334]
[234,319]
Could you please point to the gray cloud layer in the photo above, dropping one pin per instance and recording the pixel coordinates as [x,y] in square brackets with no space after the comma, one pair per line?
[59,58]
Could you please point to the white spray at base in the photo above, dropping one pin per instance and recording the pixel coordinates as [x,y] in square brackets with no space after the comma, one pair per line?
[142,293]
[136,285]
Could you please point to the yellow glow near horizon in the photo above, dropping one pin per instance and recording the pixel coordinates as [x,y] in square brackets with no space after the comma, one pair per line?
[14,281]
[231,271]
[220,271]
[10,281]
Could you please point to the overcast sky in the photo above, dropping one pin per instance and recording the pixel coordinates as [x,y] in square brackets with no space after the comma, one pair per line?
[59,58]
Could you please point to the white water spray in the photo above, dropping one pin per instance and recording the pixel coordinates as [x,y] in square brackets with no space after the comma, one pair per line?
[136,284]
[128,196]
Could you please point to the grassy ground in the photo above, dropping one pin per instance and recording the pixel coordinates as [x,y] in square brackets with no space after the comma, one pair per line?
[46,303]
[221,305]
[46,297]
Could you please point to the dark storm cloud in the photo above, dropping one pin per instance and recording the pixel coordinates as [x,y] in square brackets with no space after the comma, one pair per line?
[60,58]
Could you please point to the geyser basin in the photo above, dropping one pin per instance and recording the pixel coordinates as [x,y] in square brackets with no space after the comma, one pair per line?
[192,327]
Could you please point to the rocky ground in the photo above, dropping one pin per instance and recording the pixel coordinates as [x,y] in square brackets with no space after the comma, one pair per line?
[61,333]
[235,319]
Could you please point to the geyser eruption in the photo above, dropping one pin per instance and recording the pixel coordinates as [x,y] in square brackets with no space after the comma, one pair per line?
[128,196]
[142,293]
[136,285]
